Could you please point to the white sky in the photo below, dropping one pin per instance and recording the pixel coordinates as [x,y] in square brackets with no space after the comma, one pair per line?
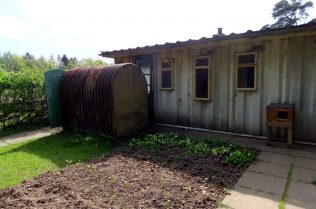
[84,28]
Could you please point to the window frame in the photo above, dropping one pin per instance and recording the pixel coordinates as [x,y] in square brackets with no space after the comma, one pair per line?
[166,70]
[254,65]
[209,77]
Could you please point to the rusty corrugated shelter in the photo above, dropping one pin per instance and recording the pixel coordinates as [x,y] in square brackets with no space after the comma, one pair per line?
[110,100]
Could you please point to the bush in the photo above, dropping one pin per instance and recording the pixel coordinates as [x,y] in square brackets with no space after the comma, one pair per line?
[22,97]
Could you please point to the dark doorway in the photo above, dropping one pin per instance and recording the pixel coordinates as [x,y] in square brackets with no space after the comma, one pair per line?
[145,63]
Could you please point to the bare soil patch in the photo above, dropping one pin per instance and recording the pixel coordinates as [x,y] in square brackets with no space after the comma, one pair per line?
[130,178]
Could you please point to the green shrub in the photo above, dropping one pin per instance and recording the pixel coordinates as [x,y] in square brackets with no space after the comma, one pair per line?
[22,97]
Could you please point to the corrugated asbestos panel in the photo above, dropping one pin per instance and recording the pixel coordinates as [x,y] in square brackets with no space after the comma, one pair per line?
[286,72]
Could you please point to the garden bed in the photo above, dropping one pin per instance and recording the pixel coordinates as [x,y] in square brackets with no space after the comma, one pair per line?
[161,175]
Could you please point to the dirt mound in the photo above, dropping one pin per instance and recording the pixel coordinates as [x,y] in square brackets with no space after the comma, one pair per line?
[129,178]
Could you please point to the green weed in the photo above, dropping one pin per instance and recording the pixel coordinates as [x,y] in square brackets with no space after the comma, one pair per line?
[231,153]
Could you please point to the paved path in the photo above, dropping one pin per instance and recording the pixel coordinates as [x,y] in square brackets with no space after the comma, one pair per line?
[6,140]
[264,182]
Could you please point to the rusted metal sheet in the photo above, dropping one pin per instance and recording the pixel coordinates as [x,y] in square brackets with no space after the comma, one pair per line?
[89,103]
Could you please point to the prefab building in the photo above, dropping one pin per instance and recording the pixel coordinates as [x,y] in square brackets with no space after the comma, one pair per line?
[225,82]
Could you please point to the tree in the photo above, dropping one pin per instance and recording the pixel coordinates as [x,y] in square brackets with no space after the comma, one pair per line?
[73,62]
[29,59]
[28,56]
[289,13]
[65,60]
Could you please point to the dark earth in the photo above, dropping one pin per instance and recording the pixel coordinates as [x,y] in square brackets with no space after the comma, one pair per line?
[129,178]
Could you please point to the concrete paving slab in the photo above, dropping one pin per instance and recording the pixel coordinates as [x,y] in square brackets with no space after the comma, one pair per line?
[275,158]
[294,204]
[305,163]
[262,182]
[269,168]
[302,192]
[304,153]
[243,198]
[303,174]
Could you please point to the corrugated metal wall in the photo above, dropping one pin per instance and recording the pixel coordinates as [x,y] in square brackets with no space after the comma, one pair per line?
[286,73]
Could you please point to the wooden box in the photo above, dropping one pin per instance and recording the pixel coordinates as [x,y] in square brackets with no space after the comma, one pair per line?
[280,115]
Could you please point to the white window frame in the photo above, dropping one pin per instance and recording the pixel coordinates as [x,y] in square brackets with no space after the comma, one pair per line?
[208,78]
[254,65]
[166,70]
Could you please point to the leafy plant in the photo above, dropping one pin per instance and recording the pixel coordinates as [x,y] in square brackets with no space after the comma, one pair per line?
[231,153]
[241,157]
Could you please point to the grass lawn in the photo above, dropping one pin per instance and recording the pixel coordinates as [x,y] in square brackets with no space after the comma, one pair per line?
[25,160]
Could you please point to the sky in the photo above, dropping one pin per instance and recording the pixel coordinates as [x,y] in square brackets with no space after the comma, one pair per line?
[83,28]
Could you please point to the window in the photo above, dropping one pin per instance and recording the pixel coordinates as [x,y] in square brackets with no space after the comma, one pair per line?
[146,70]
[246,71]
[202,78]
[166,74]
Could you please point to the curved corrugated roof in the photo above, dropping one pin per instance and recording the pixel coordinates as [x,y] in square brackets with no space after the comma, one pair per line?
[86,97]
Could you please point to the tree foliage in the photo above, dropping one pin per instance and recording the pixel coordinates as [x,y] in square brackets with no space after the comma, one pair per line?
[289,13]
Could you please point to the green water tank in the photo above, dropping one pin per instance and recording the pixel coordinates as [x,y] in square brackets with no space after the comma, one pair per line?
[52,79]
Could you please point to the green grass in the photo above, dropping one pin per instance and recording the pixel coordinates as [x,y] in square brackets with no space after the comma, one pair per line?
[25,160]
[286,188]
[314,182]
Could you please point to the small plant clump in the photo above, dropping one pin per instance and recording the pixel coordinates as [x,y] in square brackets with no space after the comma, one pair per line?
[314,182]
[229,152]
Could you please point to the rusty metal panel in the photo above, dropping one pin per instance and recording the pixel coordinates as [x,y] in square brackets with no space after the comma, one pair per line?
[87,99]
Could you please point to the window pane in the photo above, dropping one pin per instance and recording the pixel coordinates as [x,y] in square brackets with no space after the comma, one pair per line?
[246,59]
[201,83]
[147,79]
[166,64]
[201,62]
[145,69]
[246,77]
[166,79]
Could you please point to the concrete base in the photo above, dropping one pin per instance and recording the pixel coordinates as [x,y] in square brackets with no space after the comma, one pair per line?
[243,198]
